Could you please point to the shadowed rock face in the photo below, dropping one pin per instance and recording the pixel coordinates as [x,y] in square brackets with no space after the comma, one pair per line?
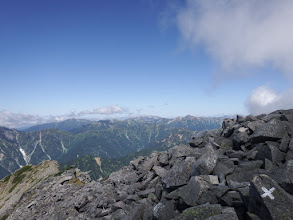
[243,172]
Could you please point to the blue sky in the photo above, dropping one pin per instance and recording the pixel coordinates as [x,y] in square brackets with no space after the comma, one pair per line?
[109,58]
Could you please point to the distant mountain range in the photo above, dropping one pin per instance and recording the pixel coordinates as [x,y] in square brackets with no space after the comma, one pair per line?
[108,139]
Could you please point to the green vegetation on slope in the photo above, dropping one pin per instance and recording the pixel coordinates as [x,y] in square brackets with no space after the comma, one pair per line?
[106,139]
[19,176]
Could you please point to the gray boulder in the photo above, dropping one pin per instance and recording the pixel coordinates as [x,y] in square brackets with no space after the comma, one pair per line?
[179,174]
[192,192]
[284,176]
[284,146]
[228,127]
[200,212]
[205,164]
[227,214]
[270,151]
[165,210]
[273,130]
[268,200]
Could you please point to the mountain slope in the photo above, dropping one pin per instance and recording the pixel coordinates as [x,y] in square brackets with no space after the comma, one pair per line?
[21,148]
[18,149]
[105,139]
[66,125]
[14,186]
[241,171]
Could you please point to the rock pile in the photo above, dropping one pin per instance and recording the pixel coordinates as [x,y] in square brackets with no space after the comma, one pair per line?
[242,171]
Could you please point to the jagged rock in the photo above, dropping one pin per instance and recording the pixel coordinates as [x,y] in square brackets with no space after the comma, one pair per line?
[164,159]
[253,125]
[268,200]
[150,162]
[252,216]
[192,192]
[249,165]
[235,154]
[200,212]
[227,214]
[223,167]
[165,210]
[125,175]
[268,165]
[196,142]
[230,198]
[143,211]
[145,193]
[289,117]
[235,185]
[205,164]
[179,174]
[284,176]
[284,146]
[289,155]
[227,127]
[244,193]
[240,138]
[273,130]
[212,179]
[185,151]
[160,171]
[243,174]
[270,151]
[240,119]
[120,205]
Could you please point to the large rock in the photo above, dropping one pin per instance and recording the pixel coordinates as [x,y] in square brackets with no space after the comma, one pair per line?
[192,192]
[227,127]
[223,167]
[227,214]
[270,151]
[268,200]
[284,146]
[284,176]
[200,212]
[179,174]
[274,130]
[165,210]
[205,164]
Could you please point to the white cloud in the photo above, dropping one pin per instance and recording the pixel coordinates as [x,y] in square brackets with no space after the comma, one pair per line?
[108,110]
[265,100]
[241,33]
[18,120]
[14,120]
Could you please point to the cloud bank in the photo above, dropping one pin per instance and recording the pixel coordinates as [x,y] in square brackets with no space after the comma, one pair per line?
[108,110]
[18,120]
[265,100]
[241,34]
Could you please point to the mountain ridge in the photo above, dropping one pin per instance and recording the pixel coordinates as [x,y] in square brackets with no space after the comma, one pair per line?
[242,171]
[105,139]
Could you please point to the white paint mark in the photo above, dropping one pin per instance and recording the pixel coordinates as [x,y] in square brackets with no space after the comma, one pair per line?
[268,192]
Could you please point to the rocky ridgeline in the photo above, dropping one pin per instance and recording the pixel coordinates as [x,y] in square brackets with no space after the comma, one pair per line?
[243,171]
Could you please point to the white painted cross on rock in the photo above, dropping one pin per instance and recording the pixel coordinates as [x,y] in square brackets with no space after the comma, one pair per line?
[268,192]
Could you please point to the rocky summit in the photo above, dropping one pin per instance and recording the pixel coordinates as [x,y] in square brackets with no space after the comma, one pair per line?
[242,171]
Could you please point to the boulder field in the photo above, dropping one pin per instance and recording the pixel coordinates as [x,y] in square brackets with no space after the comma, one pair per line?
[242,171]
